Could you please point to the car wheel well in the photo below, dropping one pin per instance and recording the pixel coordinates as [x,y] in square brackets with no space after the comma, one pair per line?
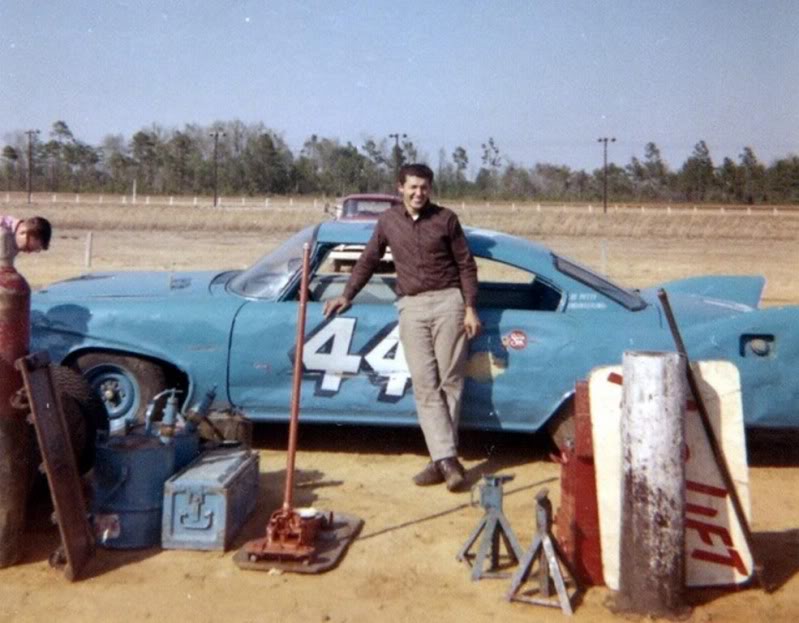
[172,375]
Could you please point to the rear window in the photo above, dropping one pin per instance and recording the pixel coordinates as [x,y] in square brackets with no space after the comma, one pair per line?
[626,298]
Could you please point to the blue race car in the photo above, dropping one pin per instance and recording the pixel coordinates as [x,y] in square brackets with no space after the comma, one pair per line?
[547,322]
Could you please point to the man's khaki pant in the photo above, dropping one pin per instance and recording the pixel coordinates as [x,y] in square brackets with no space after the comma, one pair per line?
[435,345]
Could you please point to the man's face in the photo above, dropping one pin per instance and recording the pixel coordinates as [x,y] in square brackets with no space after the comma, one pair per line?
[26,242]
[415,193]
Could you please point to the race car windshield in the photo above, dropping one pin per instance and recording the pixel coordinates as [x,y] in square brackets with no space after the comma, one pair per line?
[626,298]
[268,276]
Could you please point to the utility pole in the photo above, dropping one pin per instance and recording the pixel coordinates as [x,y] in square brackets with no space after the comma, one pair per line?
[31,134]
[397,152]
[604,140]
[216,134]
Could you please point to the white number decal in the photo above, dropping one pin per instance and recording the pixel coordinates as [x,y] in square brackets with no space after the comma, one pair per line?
[327,351]
[387,359]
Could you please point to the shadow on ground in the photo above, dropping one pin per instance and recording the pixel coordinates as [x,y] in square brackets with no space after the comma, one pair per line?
[773,449]
[496,451]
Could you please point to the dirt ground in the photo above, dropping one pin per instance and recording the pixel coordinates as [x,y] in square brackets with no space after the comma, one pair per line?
[402,566]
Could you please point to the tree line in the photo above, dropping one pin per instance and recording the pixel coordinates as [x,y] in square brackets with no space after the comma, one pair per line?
[250,159]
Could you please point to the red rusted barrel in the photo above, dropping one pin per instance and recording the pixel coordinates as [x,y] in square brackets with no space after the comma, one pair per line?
[577,520]
[15,436]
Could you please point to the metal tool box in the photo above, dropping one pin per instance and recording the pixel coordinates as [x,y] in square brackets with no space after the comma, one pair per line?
[207,503]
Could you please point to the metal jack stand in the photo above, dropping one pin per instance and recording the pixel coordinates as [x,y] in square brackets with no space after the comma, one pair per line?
[493,525]
[549,558]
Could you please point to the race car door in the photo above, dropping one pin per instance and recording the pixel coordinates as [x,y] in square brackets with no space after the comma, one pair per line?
[353,366]
[517,372]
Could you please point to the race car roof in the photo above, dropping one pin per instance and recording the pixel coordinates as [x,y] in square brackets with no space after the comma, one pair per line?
[482,242]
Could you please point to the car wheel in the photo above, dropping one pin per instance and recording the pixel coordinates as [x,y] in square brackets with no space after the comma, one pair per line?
[124,384]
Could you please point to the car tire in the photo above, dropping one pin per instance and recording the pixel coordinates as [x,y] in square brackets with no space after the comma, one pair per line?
[124,384]
[84,414]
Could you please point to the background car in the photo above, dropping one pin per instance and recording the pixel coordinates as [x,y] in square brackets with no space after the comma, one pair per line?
[360,207]
[547,323]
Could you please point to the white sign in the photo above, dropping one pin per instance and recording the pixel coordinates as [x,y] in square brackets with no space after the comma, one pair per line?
[715,548]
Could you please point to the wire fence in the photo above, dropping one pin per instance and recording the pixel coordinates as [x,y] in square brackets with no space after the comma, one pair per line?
[243,203]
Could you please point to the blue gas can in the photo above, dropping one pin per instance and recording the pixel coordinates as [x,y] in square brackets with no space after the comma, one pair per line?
[129,476]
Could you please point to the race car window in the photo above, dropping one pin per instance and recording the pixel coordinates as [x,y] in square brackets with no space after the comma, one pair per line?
[627,298]
[503,286]
[332,273]
[272,273]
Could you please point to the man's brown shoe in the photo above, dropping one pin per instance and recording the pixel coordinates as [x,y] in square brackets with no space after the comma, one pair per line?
[430,475]
[453,472]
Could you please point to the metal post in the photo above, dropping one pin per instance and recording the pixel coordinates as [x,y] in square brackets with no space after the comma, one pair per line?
[652,571]
[397,153]
[216,134]
[288,494]
[88,251]
[31,134]
[604,140]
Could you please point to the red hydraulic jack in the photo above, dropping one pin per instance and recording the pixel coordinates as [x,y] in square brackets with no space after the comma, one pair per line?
[304,540]
[289,534]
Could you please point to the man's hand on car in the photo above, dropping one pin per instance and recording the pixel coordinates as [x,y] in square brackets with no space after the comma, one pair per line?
[337,305]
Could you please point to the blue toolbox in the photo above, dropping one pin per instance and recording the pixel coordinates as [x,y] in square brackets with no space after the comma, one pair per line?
[207,502]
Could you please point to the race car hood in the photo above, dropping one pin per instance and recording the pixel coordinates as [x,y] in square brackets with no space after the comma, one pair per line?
[129,284]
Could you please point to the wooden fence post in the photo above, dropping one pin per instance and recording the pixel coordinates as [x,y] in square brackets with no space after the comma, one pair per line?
[88,251]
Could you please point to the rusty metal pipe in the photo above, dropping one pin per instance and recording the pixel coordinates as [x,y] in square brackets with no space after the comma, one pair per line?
[288,494]
[715,445]
[652,553]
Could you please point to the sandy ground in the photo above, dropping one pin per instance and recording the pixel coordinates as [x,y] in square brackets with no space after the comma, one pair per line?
[402,566]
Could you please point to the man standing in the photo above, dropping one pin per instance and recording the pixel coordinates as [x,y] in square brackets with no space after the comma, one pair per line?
[437,284]
[31,235]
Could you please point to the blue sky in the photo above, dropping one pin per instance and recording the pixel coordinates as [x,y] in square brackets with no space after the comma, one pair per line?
[545,79]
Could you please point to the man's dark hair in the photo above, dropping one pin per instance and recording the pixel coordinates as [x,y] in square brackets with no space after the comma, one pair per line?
[39,228]
[416,170]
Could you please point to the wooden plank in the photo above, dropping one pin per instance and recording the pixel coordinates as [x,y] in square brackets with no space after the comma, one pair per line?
[77,539]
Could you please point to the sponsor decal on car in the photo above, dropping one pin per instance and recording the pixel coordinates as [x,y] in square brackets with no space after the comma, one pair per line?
[516,339]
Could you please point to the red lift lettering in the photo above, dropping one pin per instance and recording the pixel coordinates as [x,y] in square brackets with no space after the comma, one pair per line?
[707,530]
